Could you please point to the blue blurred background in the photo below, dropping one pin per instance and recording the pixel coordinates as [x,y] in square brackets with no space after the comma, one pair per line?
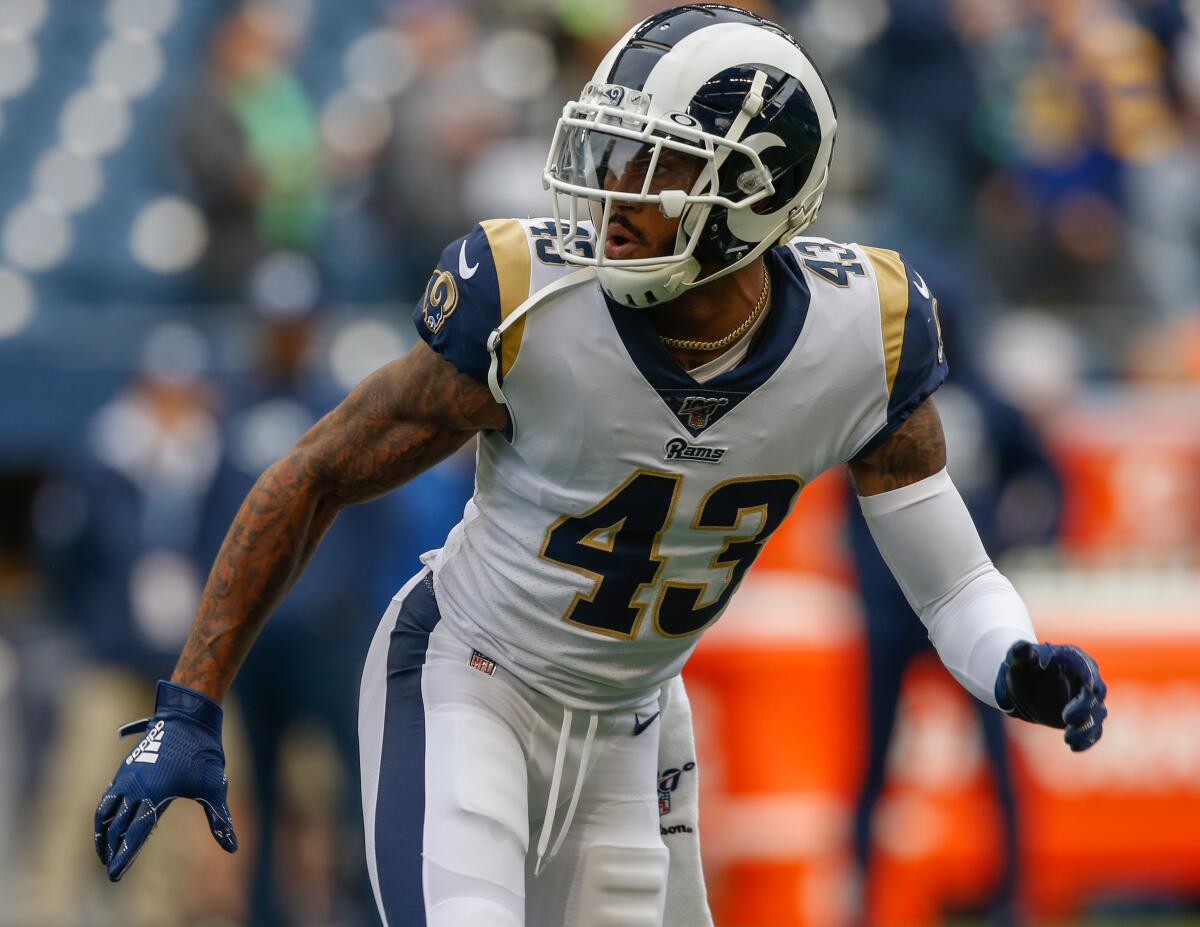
[215,218]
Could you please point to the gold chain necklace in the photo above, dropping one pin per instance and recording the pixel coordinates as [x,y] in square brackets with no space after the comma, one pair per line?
[681,344]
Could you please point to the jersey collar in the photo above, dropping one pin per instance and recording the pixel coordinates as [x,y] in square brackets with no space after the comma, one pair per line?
[719,396]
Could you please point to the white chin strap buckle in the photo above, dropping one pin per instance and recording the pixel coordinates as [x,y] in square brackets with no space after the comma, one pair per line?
[671,203]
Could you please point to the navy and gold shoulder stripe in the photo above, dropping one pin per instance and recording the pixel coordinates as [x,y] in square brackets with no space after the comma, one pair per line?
[509,244]
[480,279]
[911,331]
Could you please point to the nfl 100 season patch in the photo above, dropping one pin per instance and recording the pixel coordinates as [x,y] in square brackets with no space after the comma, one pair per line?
[668,782]
[697,411]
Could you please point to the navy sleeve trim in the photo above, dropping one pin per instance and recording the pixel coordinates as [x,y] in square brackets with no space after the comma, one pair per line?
[461,304]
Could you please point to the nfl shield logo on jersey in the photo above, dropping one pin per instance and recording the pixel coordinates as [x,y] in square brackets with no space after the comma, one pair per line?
[479,662]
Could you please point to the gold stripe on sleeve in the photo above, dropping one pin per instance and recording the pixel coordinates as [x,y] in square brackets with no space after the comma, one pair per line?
[510,252]
[892,282]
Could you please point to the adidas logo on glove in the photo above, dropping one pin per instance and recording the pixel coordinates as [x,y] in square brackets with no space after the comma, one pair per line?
[147,750]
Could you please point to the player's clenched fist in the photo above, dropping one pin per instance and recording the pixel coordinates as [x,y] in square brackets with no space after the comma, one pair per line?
[1057,685]
[180,756]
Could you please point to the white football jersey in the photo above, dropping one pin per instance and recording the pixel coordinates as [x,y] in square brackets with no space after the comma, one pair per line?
[616,514]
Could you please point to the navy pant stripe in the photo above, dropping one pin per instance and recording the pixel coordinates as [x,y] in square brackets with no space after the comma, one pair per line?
[400,812]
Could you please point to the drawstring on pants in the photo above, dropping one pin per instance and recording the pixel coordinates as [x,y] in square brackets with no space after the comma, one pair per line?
[564,738]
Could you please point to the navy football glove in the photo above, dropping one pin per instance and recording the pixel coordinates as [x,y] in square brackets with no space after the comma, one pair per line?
[1057,685]
[180,756]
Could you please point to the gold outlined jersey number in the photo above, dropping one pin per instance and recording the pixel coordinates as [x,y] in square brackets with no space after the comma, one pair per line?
[615,545]
[838,271]
[679,610]
[545,243]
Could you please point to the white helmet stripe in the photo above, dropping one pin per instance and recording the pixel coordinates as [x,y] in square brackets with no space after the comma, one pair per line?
[682,71]
[606,64]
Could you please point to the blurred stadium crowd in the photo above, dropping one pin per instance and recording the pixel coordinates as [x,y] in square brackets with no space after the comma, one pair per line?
[215,218]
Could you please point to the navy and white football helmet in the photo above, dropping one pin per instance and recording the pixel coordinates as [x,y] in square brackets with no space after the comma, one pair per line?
[708,82]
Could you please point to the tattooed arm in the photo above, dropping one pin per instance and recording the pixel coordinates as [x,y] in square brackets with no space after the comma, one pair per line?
[915,450]
[401,420]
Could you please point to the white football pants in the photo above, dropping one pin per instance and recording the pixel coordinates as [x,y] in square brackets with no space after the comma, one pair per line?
[487,804]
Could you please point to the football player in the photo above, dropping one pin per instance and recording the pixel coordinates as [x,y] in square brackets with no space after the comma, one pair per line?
[653,374]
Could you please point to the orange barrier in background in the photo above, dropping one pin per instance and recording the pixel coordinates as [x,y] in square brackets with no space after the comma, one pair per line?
[778,690]
[937,834]
[1124,818]
[778,710]
[1129,460]
[778,697]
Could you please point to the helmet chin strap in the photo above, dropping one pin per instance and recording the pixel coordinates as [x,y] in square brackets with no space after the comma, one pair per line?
[643,287]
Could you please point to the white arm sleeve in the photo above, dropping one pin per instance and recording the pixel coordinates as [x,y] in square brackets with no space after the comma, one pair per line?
[972,613]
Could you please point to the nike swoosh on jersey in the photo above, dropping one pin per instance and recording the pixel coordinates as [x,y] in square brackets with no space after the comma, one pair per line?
[639,725]
[465,272]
